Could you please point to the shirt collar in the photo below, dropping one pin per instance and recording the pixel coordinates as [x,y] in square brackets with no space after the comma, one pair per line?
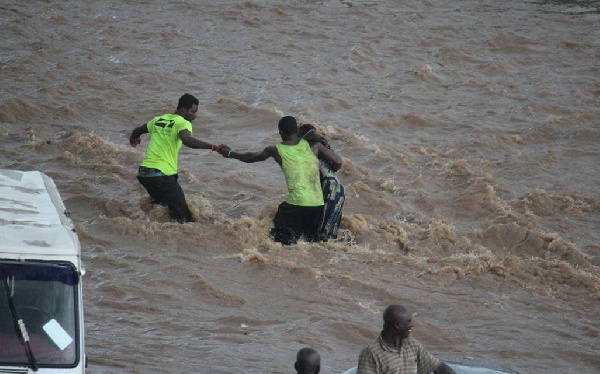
[389,349]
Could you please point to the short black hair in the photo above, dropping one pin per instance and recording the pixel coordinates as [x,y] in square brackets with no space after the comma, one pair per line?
[186,101]
[304,129]
[288,126]
[308,360]
[394,313]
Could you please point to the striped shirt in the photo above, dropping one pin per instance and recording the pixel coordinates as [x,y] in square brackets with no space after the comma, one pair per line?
[378,358]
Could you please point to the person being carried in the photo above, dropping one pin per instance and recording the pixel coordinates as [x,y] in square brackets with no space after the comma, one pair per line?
[158,170]
[396,352]
[300,214]
[333,191]
[308,361]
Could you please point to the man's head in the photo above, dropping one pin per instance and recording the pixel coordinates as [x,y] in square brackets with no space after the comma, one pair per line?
[308,361]
[187,107]
[308,132]
[397,320]
[288,127]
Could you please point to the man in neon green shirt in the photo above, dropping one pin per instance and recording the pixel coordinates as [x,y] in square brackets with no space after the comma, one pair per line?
[300,214]
[158,171]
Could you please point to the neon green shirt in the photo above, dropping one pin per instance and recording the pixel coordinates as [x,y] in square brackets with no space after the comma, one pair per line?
[301,169]
[164,145]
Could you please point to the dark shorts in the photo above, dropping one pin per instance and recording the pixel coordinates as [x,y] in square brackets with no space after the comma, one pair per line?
[292,222]
[166,191]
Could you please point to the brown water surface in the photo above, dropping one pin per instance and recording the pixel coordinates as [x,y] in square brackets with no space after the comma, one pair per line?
[470,132]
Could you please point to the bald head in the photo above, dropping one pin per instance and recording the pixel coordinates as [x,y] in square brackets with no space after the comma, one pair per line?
[397,320]
[395,313]
[308,361]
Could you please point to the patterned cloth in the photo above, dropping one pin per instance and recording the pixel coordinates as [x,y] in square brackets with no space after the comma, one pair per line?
[377,358]
[334,198]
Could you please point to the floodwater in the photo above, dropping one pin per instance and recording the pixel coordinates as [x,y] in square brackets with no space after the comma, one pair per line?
[470,133]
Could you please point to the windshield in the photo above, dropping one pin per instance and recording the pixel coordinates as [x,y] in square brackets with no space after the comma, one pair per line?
[45,298]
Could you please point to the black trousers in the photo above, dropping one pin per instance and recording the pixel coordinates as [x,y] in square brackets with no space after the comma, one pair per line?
[165,190]
[292,222]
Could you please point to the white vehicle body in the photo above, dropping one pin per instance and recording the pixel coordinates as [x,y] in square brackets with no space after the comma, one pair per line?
[41,304]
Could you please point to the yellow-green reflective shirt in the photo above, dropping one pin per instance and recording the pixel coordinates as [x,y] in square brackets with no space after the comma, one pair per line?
[163,149]
[301,169]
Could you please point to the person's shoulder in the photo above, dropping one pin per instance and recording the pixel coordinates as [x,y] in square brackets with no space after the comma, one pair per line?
[180,122]
[156,118]
[163,116]
[374,344]
[412,343]
[176,118]
[271,149]
[306,143]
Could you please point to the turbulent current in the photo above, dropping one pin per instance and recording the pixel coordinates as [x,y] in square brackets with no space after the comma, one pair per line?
[470,135]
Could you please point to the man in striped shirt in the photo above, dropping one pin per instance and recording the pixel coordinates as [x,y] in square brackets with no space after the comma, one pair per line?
[396,352]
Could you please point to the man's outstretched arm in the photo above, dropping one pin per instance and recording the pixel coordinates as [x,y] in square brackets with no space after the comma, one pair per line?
[189,141]
[250,157]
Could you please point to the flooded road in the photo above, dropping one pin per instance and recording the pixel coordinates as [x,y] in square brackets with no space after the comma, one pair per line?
[470,135]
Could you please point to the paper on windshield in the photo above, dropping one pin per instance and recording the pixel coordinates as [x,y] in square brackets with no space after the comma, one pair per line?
[59,336]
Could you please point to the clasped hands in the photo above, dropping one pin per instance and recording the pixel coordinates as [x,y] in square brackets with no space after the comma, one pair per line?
[223,150]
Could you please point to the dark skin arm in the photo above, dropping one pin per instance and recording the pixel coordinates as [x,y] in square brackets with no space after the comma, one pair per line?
[189,141]
[271,151]
[251,157]
[134,139]
[325,154]
[444,369]
[185,136]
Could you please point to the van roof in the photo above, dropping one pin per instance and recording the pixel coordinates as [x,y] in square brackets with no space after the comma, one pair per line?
[34,222]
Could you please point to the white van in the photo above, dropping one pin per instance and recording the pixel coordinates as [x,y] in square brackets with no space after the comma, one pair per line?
[41,305]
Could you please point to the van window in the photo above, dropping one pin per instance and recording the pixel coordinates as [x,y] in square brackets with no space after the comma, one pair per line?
[44,296]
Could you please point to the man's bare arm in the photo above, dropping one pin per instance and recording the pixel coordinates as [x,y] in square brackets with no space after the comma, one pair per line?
[251,157]
[189,141]
[328,155]
[444,369]
[134,139]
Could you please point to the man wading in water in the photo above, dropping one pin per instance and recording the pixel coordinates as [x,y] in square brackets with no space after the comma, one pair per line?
[300,214]
[158,171]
